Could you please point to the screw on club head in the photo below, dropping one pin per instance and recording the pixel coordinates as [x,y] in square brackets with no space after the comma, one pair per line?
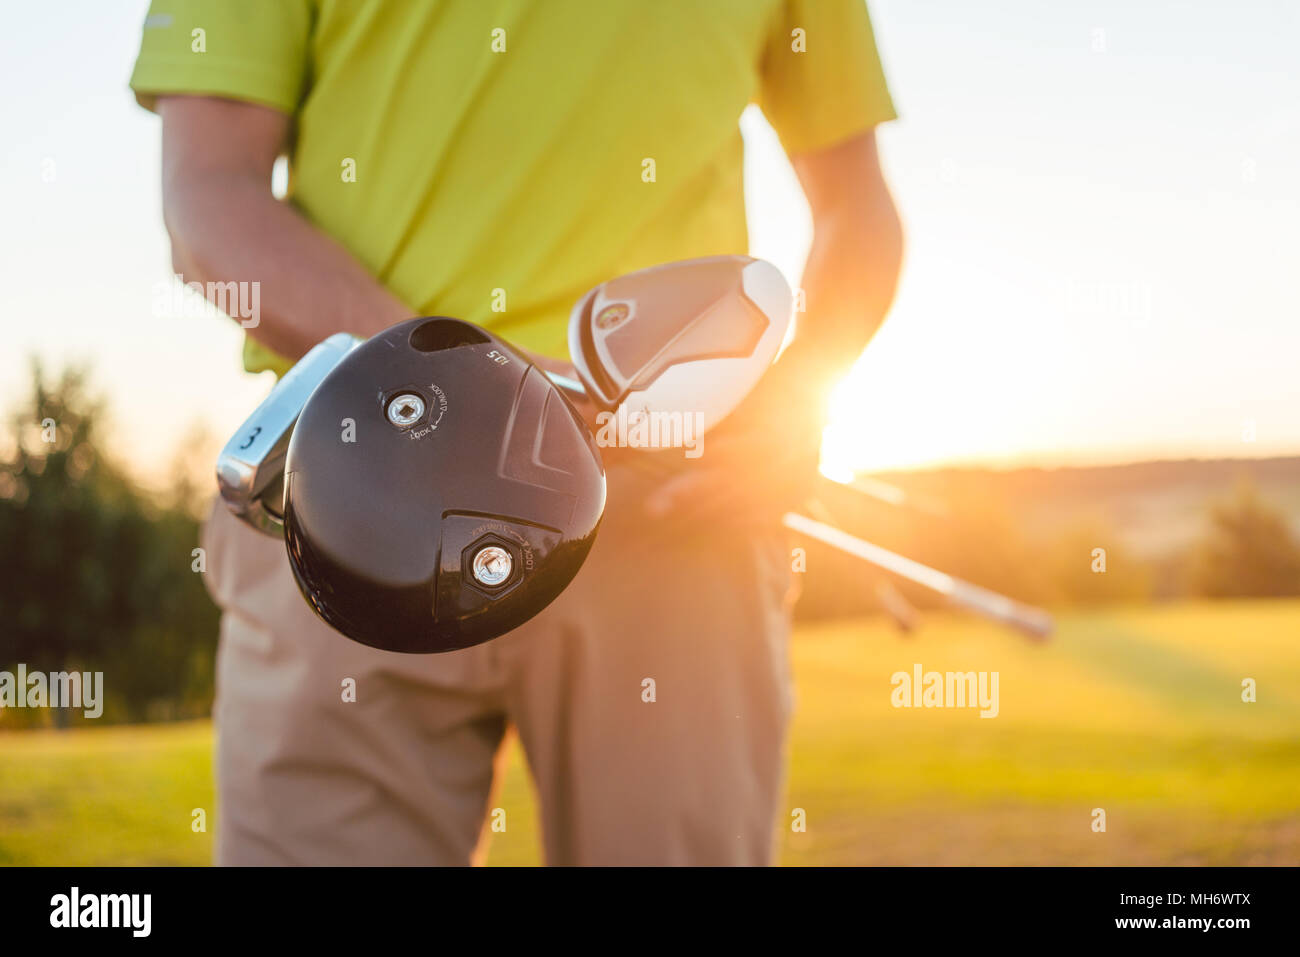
[405,408]
[492,565]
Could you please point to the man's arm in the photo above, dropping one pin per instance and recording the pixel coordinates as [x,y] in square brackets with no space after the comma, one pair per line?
[774,437]
[853,265]
[225,225]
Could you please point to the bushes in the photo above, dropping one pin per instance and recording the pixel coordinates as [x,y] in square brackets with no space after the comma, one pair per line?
[95,575]
[1043,547]
[1088,564]
[1249,552]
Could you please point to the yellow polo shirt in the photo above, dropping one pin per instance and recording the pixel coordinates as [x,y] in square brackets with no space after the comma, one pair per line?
[494,160]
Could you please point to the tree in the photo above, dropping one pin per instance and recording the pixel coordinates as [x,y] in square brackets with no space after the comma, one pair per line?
[1091,565]
[1249,551]
[94,575]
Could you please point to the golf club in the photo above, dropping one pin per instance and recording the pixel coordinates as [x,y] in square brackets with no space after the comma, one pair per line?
[427,546]
[1032,622]
[633,336]
[892,495]
[250,469]
[693,336]
[437,490]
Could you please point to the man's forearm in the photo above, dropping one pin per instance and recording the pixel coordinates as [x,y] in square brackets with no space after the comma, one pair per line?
[849,282]
[852,269]
[229,227]
[848,285]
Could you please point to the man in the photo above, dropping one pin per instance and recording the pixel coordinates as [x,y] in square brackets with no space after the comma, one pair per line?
[445,157]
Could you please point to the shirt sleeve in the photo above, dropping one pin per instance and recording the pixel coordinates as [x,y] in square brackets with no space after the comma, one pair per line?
[252,50]
[822,81]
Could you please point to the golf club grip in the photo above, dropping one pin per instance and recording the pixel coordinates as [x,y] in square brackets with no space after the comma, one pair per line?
[1033,622]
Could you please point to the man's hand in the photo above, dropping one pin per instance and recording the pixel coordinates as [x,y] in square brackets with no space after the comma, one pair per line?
[762,460]
[759,462]
[227,226]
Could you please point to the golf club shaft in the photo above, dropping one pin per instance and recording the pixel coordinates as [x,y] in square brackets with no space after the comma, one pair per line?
[989,604]
[891,494]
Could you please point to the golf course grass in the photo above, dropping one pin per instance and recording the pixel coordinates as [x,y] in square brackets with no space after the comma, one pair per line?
[1135,711]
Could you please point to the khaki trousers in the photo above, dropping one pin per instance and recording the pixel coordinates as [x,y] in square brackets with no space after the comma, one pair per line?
[403,775]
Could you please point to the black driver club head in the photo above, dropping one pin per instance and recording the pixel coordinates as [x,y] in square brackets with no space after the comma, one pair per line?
[438,490]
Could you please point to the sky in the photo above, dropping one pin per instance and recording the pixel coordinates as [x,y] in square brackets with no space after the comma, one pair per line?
[1101,204]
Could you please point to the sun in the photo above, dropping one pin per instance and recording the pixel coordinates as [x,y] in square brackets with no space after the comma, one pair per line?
[875,424]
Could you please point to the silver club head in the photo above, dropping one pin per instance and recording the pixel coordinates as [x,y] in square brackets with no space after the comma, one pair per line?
[250,469]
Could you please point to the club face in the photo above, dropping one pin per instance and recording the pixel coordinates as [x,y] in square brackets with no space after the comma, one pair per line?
[439,492]
[685,338]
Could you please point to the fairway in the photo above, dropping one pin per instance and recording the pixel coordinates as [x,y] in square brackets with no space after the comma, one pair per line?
[1137,712]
